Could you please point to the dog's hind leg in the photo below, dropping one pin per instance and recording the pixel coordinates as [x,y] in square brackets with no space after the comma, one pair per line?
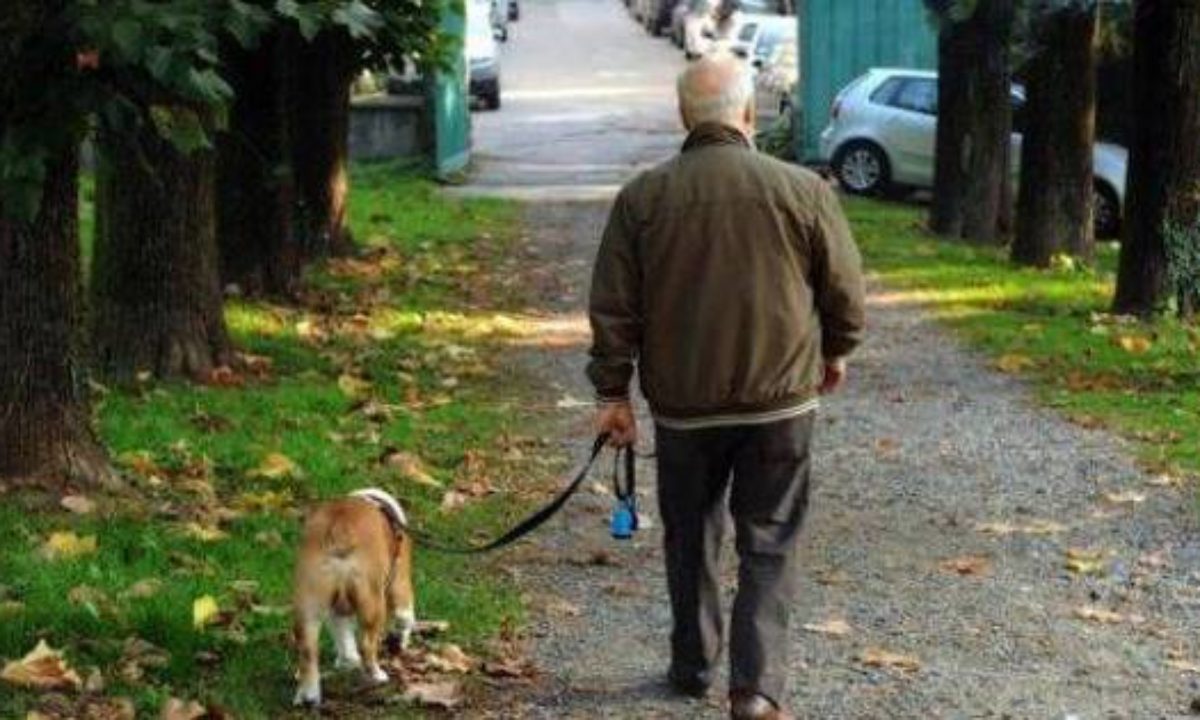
[401,600]
[306,633]
[342,629]
[373,619]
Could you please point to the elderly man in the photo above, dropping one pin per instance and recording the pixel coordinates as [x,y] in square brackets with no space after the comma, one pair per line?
[731,281]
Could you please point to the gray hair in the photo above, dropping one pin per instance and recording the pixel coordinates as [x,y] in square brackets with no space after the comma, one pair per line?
[716,88]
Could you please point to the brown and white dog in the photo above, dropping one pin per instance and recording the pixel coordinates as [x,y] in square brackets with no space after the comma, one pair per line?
[354,567]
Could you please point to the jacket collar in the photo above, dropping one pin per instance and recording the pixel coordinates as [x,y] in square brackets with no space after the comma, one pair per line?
[706,134]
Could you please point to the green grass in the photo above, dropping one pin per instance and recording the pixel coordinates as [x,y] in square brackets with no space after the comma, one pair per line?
[1137,379]
[189,453]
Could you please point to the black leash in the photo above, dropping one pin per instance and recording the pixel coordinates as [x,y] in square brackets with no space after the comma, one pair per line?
[625,496]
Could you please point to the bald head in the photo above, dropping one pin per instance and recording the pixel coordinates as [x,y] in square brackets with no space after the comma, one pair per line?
[717,89]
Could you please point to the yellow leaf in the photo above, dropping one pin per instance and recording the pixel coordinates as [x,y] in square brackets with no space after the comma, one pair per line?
[204,533]
[353,387]
[1135,344]
[268,501]
[835,628]
[68,545]
[1085,562]
[410,467]
[1014,363]
[966,565]
[1033,527]
[879,658]
[1125,497]
[1099,615]
[42,669]
[204,611]
[276,466]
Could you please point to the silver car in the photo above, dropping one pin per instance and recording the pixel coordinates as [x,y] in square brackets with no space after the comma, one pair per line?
[882,133]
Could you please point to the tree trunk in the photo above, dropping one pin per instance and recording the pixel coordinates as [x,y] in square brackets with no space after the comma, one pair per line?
[255,183]
[989,129]
[1164,169]
[155,286]
[320,150]
[1055,202]
[955,46]
[45,430]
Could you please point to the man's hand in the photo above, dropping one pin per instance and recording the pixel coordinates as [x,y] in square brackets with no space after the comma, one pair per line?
[835,376]
[617,420]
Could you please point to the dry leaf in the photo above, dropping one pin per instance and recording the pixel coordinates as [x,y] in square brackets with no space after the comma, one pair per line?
[204,611]
[11,607]
[410,467]
[1085,562]
[446,695]
[451,659]
[836,628]
[42,669]
[1014,363]
[967,565]
[1033,527]
[204,533]
[887,660]
[1125,497]
[453,500]
[276,466]
[431,627]
[143,589]
[887,446]
[1099,615]
[1134,344]
[177,709]
[78,504]
[68,545]
[268,501]
[353,387]
[1184,666]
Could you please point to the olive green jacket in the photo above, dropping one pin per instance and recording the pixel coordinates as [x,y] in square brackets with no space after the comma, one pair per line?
[728,278]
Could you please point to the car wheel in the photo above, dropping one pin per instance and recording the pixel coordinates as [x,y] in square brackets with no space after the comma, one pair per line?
[492,100]
[862,168]
[1106,211]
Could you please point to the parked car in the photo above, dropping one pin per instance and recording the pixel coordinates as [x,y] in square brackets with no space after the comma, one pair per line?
[656,17]
[775,83]
[758,35]
[679,15]
[483,56]
[514,10]
[882,134]
[500,12]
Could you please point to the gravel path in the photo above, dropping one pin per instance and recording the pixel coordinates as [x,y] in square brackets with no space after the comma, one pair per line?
[929,459]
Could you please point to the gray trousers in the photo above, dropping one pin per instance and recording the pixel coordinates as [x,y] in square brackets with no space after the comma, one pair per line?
[764,470]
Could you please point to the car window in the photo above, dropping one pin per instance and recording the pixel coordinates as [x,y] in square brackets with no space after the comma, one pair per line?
[918,95]
[747,32]
[884,93]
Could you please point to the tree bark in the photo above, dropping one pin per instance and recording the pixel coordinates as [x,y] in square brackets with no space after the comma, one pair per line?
[1164,169]
[1055,200]
[256,185]
[46,436]
[156,293]
[990,122]
[954,56]
[320,151]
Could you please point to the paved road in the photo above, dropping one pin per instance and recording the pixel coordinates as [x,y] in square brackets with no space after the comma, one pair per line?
[588,100]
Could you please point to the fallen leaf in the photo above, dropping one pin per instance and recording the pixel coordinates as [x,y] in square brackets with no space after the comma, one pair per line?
[42,669]
[446,694]
[968,565]
[68,545]
[1125,497]
[1033,527]
[451,659]
[1085,562]
[353,387]
[9,608]
[136,655]
[431,627]
[110,709]
[1184,666]
[453,500]
[176,709]
[78,504]
[887,660]
[1099,615]
[410,467]
[268,501]
[835,628]
[204,611]
[276,466]
[204,533]
[887,446]
[143,589]
[1134,344]
[1013,363]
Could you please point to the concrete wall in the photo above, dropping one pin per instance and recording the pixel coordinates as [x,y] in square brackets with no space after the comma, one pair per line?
[389,127]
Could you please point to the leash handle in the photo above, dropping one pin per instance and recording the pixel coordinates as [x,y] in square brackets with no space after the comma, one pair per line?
[527,525]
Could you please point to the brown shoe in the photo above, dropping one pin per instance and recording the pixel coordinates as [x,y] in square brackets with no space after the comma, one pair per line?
[752,706]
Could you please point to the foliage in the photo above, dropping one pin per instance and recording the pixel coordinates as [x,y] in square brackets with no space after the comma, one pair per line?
[1137,379]
[195,453]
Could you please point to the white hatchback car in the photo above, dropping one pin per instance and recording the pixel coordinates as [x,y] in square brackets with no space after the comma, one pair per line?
[882,133]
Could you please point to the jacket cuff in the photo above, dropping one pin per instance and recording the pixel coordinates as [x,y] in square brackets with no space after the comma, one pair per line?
[615,397]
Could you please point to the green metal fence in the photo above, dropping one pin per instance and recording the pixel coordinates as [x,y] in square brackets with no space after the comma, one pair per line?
[840,39]
[451,104]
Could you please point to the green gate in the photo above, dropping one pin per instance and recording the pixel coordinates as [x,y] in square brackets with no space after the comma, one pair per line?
[451,103]
[841,39]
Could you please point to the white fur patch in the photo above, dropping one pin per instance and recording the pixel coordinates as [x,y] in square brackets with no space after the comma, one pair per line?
[385,502]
